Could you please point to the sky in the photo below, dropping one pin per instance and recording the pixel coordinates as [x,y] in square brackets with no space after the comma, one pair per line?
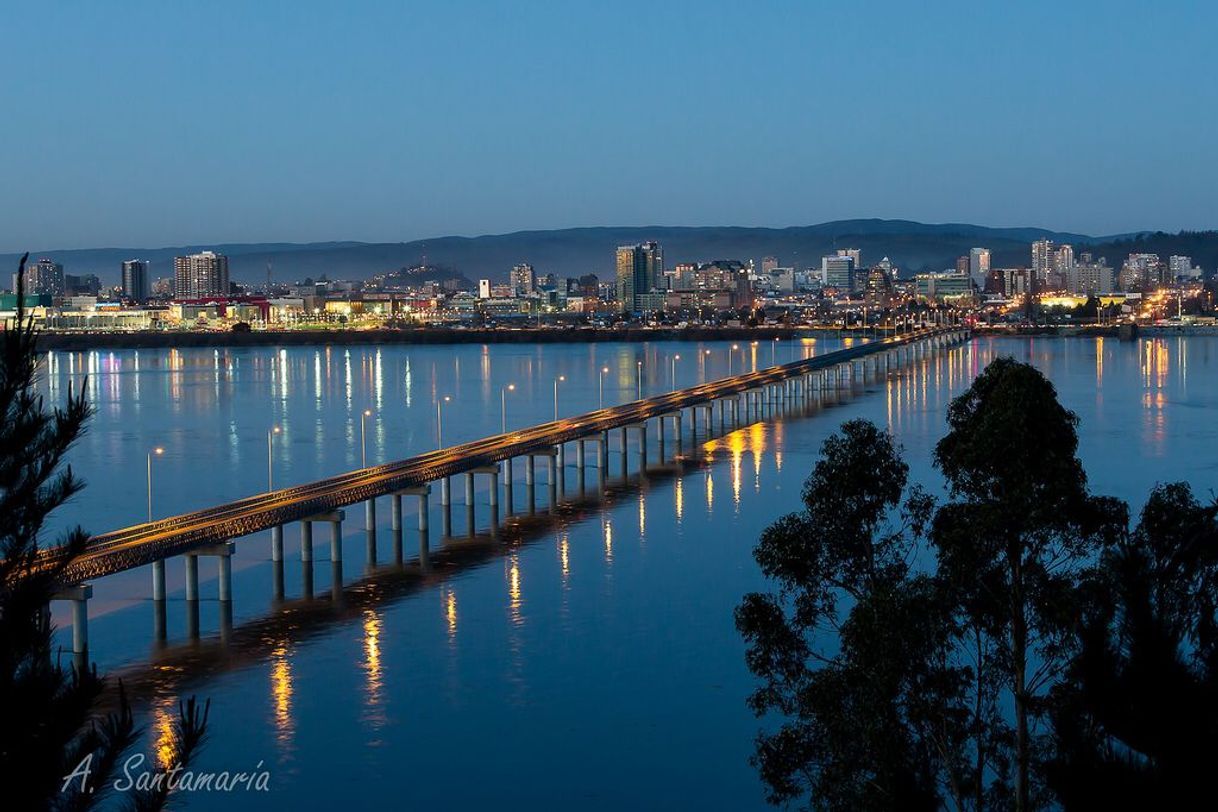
[148,124]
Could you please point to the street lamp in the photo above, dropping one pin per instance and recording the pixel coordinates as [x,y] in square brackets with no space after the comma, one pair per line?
[600,396]
[675,359]
[440,421]
[638,377]
[363,438]
[774,351]
[158,451]
[270,471]
[730,355]
[556,382]
[503,403]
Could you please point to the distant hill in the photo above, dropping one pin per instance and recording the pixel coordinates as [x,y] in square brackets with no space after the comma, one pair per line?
[574,251]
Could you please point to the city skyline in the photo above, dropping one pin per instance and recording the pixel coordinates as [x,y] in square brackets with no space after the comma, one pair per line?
[255,142]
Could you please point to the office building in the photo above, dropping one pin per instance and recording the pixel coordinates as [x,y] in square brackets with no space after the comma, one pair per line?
[837,271]
[135,280]
[523,279]
[201,275]
[979,265]
[640,270]
[1042,259]
[42,278]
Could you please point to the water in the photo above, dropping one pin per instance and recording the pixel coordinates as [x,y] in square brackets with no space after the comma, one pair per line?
[588,659]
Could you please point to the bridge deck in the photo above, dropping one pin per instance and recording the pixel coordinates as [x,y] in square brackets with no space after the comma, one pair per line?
[151,541]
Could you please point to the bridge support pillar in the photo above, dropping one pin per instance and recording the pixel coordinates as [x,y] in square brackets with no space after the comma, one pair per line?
[192,577]
[395,525]
[370,529]
[603,460]
[277,543]
[79,596]
[469,487]
[158,580]
[306,540]
[224,553]
[445,491]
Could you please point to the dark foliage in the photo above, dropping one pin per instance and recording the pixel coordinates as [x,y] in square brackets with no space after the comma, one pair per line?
[1135,721]
[50,722]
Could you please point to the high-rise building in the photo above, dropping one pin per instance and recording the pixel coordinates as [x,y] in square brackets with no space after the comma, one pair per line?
[631,277]
[135,280]
[524,279]
[640,269]
[962,264]
[769,263]
[84,285]
[979,265]
[201,275]
[1089,278]
[484,288]
[653,259]
[837,271]
[1042,259]
[1181,267]
[1140,272]
[43,278]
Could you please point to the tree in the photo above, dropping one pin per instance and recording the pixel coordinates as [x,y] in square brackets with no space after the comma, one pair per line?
[51,721]
[1015,540]
[1135,721]
[876,708]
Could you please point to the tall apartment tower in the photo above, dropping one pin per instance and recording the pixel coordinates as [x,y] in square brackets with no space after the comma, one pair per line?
[653,259]
[979,266]
[135,280]
[523,279]
[631,277]
[200,275]
[43,278]
[1042,259]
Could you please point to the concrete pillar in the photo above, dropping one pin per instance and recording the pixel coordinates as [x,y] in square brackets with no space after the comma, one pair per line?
[579,458]
[306,540]
[158,580]
[223,552]
[336,540]
[603,460]
[693,423]
[79,596]
[493,473]
[469,487]
[277,543]
[643,446]
[562,466]
[370,529]
[445,491]
[529,471]
[625,445]
[680,440]
[192,577]
[552,479]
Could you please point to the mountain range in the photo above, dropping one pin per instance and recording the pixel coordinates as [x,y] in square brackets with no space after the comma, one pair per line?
[912,246]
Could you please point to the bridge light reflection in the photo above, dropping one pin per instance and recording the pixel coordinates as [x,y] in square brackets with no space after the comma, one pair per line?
[281,694]
[372,668]
[450,613]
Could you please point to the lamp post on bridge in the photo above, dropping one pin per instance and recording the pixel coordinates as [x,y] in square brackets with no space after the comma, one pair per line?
[270,469]
[511,387]
[557,380]
[673,382]
[440,420]
[363,438]
[638,378]
[158,451]
[600,396]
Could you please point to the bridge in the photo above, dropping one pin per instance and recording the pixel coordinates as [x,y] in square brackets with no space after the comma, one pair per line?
[211,532]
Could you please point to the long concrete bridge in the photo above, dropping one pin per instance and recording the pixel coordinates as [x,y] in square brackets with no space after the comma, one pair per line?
[212,531]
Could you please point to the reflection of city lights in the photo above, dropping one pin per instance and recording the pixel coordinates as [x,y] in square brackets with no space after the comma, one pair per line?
[608,540]
[564,557]
[450,612]
[281,693]
[679,497]
[166,747]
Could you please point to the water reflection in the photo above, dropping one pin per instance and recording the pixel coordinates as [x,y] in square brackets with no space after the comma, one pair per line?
[374,709]
[281,697]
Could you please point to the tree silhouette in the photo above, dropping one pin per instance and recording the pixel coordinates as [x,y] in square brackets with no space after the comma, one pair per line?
[50,718]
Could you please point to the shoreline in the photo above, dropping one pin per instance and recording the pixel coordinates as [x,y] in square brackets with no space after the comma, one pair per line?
[56,341]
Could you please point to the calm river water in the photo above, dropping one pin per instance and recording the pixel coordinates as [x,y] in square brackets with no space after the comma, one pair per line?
[584,660]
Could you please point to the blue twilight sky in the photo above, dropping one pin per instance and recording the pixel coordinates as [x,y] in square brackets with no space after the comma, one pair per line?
[162,123]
